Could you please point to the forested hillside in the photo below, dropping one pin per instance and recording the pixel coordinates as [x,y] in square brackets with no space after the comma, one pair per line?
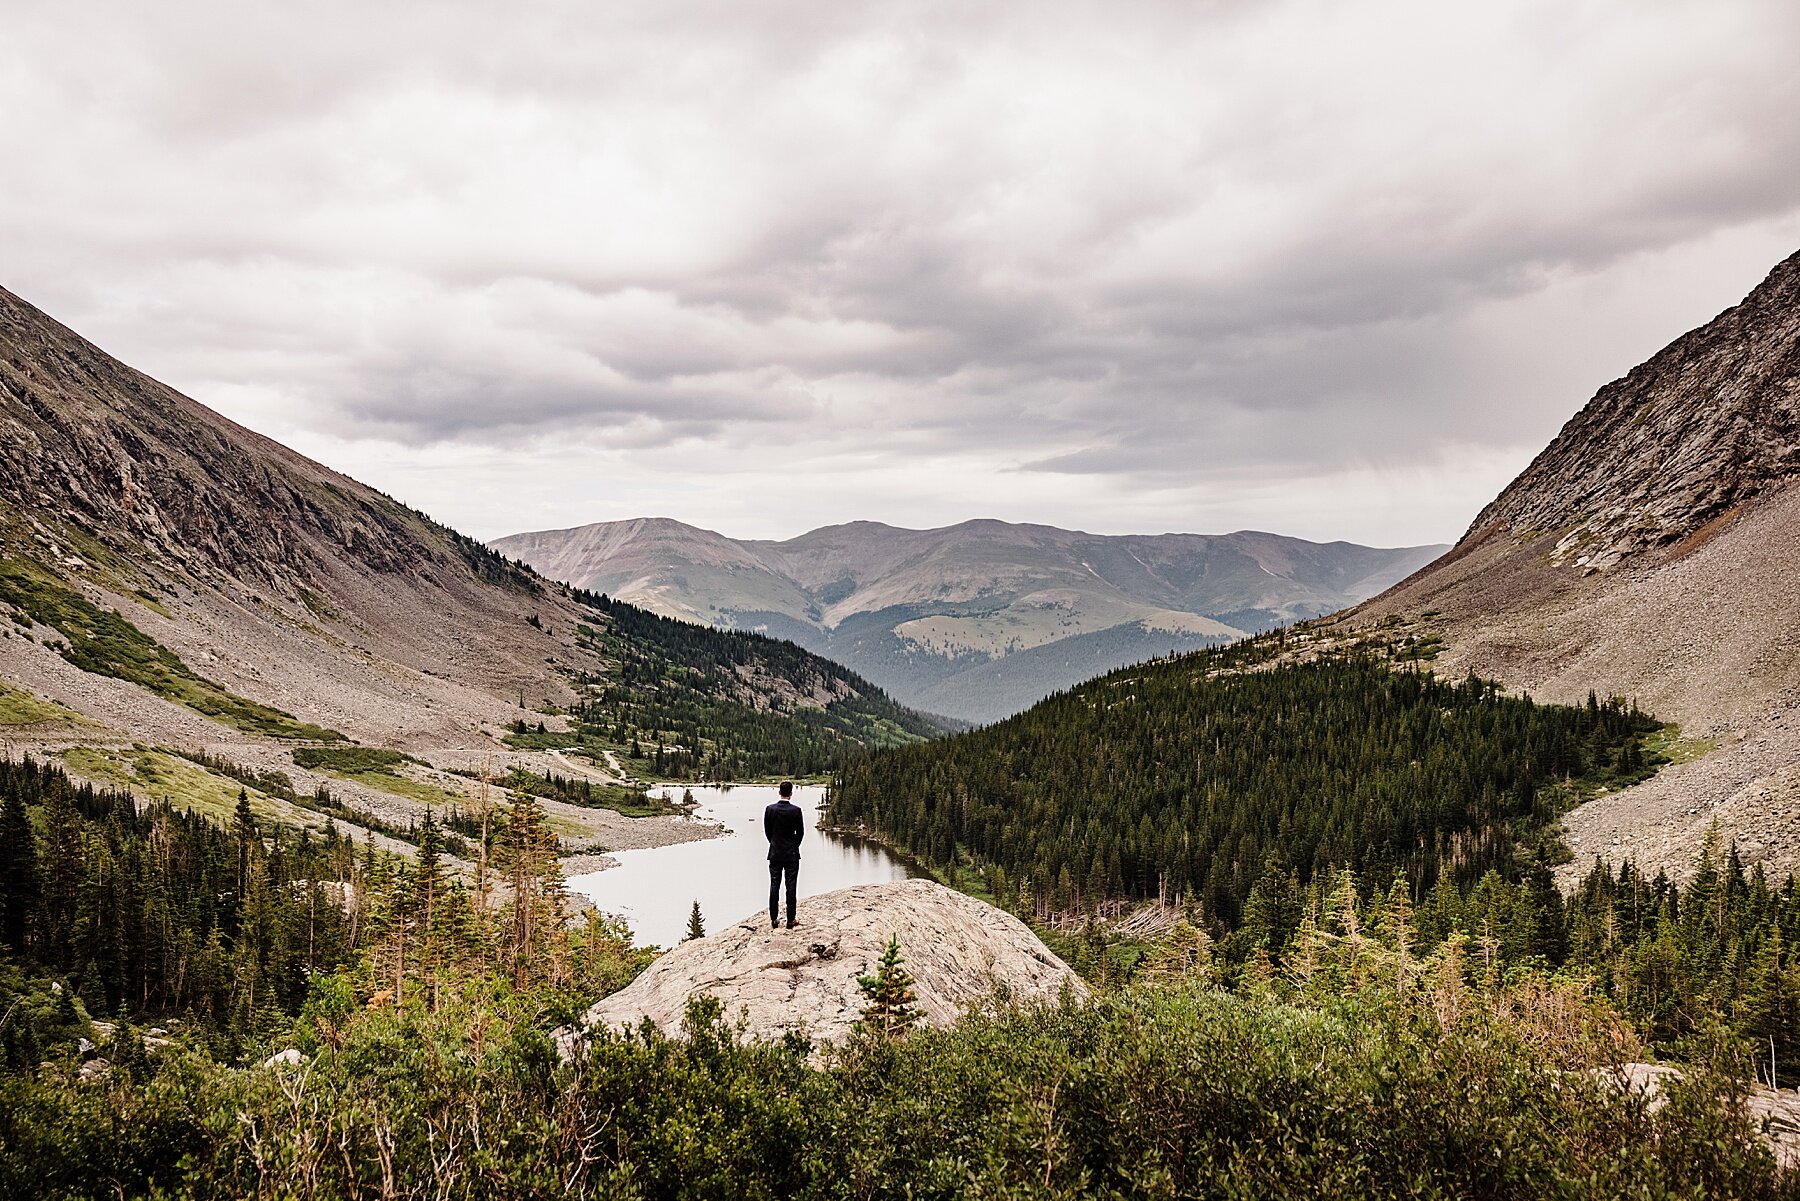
[685,701]
[1189,779]
[158,913]
[1300,811]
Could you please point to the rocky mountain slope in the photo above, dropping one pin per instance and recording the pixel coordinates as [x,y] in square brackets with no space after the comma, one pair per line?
[175,580]
[1652,551]
[976,620]
[957,950]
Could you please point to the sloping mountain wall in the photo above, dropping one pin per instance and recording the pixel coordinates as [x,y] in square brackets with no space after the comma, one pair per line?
[170,579]
[1651,551]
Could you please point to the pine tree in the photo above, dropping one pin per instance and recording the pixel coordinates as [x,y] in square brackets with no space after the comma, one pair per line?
[535,941]
[890,1011]
[696,926]
[18,873]
[391,919]
[428,888]
[1185,954]
[1397,927]
[1768,1009]
[243,828]
[61,871]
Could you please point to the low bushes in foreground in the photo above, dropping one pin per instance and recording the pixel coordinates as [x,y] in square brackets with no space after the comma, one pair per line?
[1170,1091]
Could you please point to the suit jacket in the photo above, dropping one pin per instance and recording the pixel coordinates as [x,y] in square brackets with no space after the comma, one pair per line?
[784,826]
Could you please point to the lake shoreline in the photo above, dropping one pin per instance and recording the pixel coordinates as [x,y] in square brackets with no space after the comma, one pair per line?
[724,864]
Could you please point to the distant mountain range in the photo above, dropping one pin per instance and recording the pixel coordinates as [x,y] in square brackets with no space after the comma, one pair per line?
[974,621]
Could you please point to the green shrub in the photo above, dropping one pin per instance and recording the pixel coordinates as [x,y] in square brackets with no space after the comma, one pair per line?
[1179,1092]
[349,760]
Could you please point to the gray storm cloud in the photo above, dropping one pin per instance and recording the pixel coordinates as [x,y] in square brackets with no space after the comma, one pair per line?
[1165,254]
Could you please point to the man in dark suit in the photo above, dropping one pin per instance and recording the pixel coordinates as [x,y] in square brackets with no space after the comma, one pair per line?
[785,827]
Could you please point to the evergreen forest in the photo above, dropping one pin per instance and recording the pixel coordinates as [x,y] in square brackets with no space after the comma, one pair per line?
[200,1010]
[1188,779]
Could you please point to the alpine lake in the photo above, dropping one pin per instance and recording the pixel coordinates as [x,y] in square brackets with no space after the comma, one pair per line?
[653,890]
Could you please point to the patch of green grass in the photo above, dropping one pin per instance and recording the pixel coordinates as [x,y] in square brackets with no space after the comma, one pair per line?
[531,740]
[318,604]
[568,829]
[631,802]
[1422,649]
[417,790]
[150,602]
[101,641]
[377,767]
[157,774]
[21,708]
[1668,744]
[349,760]
[883,732]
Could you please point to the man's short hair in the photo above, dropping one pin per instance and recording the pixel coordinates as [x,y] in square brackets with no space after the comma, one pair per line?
[786,789]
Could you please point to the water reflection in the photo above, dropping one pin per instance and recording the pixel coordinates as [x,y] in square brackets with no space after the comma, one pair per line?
[654,889]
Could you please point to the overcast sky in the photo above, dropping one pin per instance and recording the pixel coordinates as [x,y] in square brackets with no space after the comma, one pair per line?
[1325,268]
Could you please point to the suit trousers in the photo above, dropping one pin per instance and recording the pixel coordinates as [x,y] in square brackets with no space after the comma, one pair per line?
[778,868]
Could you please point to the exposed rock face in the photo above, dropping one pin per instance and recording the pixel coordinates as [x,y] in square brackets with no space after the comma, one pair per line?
[957,949]
[1706,424]
[133,461]
[1651,551]
[286,581]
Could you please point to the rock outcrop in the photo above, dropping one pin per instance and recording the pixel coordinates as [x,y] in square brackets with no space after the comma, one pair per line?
[1707,424]
[958,950]
[1775,1113]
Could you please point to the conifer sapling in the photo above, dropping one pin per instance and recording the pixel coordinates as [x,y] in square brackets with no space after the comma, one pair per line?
[890,1010]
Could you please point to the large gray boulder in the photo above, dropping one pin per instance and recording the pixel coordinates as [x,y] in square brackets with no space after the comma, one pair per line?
[957,949]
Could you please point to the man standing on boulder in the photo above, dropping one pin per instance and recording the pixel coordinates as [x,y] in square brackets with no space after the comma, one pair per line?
[785,827]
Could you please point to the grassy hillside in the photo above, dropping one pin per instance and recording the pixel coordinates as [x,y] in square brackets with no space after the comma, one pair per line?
[102,641]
